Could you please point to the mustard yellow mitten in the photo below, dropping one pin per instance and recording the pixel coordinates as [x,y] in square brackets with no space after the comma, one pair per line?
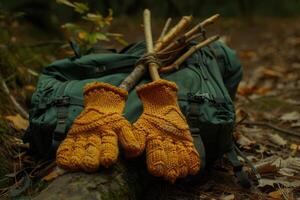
[93,138]
[170,151]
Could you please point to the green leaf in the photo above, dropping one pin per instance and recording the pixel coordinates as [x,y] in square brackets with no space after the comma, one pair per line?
[93,38]
[71,27]
[108,19]
[81,7]
[119,38]
[95,18]
[65,2]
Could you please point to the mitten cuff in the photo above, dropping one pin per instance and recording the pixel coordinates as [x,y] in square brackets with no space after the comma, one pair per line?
[158,94]
[94,86]
[155,85]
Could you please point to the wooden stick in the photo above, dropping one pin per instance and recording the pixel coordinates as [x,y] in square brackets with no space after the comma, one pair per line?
[153,67]
[201,25]
[173,33]
[191,34]
[130,81]
[269,125]
[19,108]
[193,49]
[167,56]
[165,29]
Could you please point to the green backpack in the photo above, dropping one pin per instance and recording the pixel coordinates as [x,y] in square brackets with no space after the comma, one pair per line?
[207,83]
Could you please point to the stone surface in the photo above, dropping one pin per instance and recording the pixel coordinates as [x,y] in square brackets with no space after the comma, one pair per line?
[119,182]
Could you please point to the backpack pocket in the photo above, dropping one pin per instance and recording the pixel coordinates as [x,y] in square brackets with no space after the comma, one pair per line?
[212,120]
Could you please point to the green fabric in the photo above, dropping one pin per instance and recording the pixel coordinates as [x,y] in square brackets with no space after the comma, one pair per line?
[210,78]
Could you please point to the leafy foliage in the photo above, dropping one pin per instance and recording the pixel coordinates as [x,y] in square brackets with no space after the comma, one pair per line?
[95,28]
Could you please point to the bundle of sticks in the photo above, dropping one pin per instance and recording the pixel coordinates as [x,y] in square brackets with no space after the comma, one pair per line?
[170,50]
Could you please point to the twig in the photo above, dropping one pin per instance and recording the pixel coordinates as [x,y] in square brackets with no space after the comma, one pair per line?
[173,33]
[175,65]
[166,27]
[19,108]
[23,146]
[164,43]
[131,80]
[276,128]
[153,67]
[201,25]
[191,34]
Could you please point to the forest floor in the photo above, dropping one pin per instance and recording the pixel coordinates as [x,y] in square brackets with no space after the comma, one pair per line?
[268,104]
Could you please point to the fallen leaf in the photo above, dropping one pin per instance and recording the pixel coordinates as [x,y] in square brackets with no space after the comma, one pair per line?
[276,194]
[277,139]
[273,182]
[291,116]
[227,197]
[262,90]
[244,141]
[294,148]
[18,122]
[244,90]
[30,88]
[270,73]
[56,172]
[266,165]
[248,55]
[287,171]
[240,114]
[296,124]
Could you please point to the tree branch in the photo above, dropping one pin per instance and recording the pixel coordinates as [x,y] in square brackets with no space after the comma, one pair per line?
[276,128]
[153,67]
[19,108]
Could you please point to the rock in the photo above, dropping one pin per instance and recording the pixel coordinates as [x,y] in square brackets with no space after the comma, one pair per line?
[120,182]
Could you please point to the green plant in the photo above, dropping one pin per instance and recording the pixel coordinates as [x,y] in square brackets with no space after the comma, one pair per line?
[95,28]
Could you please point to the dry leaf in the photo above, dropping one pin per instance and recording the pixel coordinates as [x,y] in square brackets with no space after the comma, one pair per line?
[266,165]
[287,171]
[244,90]
[227,197]
[30,88]
[240,114]
[294,148]
[244,141]
[273,182]
[262,90]
[296,124]
[56,172]
[276,194]
[269,73]
[291,116]
[277,139]
[18,122]
[248,55]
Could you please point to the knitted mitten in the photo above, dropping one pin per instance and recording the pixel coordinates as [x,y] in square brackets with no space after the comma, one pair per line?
[93,137]
[170,150]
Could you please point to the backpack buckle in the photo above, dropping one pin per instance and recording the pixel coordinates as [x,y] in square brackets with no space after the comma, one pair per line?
[195,98]
[61,101]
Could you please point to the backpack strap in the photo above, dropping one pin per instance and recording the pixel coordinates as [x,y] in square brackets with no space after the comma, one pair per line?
[76,49]
[193,114]
[62,106]
[239,173]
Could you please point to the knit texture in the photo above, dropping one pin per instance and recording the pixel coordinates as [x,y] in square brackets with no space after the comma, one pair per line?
[170,151]
[93,138]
